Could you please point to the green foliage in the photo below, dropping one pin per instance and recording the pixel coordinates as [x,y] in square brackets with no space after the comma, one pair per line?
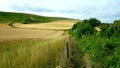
[111,30]
[27,21]
[103,49]
[94,22]
[25,18]
[85,27]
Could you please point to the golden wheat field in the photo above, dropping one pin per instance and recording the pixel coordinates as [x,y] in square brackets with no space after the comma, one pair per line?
[58,25]
[32,48]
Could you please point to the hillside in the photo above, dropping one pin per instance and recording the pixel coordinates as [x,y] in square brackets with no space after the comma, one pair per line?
[39,45]
[7,17]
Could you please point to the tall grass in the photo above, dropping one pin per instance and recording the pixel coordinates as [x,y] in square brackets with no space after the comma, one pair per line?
[37,53]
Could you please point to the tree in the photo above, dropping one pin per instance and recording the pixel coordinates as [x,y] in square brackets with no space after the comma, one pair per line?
[82,28]
[76,25]
[85,27]
[29,20]
[94,22]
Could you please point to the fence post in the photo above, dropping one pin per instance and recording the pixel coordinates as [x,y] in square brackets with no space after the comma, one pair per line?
[67,49]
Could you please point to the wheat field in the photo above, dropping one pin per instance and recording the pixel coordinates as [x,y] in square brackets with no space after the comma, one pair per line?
[35,53]
[57,25]
[32,48]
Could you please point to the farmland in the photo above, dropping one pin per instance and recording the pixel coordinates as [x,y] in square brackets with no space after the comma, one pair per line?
[55,25]
[60,42]
[33,45]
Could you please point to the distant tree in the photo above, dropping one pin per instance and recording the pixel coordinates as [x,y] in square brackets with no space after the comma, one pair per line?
[29,20]
[82,28]
[111,30]
[85,27]
[94,22]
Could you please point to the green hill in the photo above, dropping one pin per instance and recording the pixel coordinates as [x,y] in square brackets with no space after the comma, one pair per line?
[7,17]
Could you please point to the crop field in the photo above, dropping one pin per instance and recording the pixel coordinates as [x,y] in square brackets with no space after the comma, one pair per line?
[32,48]
[35,53]
[57,25]
[7,34]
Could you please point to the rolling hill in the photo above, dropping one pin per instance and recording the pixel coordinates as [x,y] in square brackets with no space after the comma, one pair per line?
[7,17]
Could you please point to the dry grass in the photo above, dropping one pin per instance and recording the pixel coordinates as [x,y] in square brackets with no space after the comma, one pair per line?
[37,53]
[32,48]
[16,34]
[4,25]
[9,33]
[61,25]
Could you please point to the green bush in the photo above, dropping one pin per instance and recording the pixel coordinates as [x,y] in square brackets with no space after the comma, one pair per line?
[84,27]
[111,30]
[27,21]
[104,49]
[94,22]
[76,25]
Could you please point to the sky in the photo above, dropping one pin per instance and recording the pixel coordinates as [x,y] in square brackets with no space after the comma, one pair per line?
[105,10]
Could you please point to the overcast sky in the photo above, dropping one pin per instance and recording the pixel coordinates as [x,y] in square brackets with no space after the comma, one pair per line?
[104,10]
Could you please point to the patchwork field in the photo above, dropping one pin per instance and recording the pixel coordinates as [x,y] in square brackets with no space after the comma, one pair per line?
[25,47]
[42,30]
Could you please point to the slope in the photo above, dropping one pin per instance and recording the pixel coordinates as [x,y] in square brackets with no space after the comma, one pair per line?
[7,17]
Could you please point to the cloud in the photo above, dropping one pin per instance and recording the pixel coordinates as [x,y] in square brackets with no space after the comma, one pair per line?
[105,10]
[29,8]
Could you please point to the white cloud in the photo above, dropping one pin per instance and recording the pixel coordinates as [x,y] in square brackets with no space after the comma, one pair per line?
[105,10]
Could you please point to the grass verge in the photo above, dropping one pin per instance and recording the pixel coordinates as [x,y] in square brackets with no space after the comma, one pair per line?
[37,53]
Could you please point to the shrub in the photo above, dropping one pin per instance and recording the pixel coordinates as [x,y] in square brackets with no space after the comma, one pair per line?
[111,30]
[28,20]
[84,27]
[94,22]
[76,25]
[104,52]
